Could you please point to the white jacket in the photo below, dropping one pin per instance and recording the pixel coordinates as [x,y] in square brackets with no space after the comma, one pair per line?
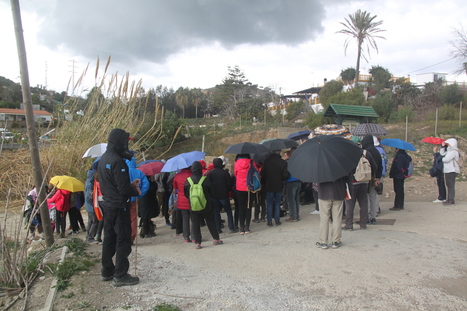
[450,157]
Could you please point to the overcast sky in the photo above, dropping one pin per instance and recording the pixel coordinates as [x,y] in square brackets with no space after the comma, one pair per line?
[284,44]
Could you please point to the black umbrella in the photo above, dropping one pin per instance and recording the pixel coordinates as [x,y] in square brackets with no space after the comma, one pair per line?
[278,144]
[324,158]
[299,135]
[369,128]
[243,148]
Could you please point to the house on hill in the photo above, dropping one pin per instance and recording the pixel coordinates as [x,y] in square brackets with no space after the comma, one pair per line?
[19,115]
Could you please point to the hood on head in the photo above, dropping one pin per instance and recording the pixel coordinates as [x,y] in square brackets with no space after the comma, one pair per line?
[375,141]
[131,163]
[218,163]
[452,143]
[196,168]
[118,142]
[367,141]
[224,160]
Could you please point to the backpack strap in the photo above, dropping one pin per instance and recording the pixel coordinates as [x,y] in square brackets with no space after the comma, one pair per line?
[190,181]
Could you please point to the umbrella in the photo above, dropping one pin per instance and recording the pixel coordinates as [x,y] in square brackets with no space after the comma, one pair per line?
[369,128]
[299,135]
[243,148]
[67,183]
[324,158]
[183,160]
[95,151]
[398,143]
[277,144]
[433,140]
[331,129]
[147,161]
[151,168]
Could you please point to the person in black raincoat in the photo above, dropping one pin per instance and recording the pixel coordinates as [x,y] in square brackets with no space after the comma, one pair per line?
[206,214]
[399,164]
[148,207]
[116,188]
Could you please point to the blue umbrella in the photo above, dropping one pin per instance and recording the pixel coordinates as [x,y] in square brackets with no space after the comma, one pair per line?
[147,161]
[398,143]
[299,135]
[183,160]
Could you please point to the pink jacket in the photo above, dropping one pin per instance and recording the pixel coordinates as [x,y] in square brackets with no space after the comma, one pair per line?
[179,184]
[61,198]
[241,167]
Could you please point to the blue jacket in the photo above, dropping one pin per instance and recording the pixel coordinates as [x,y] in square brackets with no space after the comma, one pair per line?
[137,174]
[88,188]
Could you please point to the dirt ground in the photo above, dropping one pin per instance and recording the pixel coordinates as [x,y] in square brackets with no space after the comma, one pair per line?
[414,259]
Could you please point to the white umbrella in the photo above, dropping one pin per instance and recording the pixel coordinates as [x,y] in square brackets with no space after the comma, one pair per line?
[95,151]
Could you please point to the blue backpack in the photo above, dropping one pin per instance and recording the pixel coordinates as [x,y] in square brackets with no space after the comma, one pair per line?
[410,167]
[253,179]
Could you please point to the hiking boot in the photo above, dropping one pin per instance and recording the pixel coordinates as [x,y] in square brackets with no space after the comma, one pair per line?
[321,245]
[278,223]
[336,244]
[269,224]
[125,280]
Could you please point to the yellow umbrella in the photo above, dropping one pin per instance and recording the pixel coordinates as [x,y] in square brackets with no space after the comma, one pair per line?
[67,183]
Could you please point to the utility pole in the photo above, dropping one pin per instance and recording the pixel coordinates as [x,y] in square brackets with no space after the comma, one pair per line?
[45,85]
[73,66]
[31,126]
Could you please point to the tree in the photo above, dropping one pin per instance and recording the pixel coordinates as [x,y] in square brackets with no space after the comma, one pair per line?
[294,109]
[459,51]
[182,98]
[329,89]
[362,27]
[380,78]
[384,105]
[197,96]
[348,75]
[353,97]
[451,94]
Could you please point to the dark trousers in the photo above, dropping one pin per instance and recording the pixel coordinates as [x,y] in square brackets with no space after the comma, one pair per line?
[260,205]
[441,187]
[117,241]
[244,209]
[182,223]
[217,206]
[450,184]
[76,219]
[360,194]
[399,191]
[145,227]
[60,224]
[196,218]
[92,226]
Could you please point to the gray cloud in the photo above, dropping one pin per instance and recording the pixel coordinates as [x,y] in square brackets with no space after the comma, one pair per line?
[152,30]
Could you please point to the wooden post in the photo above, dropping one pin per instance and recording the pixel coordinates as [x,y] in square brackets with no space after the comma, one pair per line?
[31,126]
[436,123]
[406,127]
[460,115]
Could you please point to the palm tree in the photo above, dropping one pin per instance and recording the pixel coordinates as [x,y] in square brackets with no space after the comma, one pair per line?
[181,97]
[362,27]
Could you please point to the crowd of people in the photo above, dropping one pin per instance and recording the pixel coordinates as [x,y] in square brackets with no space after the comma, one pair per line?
[196,195]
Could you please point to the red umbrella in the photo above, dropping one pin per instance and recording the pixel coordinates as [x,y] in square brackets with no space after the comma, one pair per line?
[151,168]
[433,140]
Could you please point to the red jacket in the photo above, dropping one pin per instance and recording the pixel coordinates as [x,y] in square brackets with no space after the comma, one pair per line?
[179,184]
[241,167]
[61,198]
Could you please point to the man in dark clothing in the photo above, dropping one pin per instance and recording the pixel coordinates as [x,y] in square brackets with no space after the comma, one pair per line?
[369,145]
[399,165]
[273,175]
[221,183]
[206,214]
[116,188]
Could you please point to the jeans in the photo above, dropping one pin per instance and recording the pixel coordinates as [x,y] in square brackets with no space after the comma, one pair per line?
[218,205]
[274,205]
[92,226]
[293,198]
[374,202]
[117,241]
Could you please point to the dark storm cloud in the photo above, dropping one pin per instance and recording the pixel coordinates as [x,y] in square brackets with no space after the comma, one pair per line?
[152,30]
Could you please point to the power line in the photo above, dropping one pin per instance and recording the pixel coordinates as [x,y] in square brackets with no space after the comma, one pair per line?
[433,65]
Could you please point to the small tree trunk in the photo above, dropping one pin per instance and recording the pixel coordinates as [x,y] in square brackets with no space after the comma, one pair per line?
[31,126]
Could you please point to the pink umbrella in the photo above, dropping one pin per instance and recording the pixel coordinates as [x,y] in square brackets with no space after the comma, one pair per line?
[151,168]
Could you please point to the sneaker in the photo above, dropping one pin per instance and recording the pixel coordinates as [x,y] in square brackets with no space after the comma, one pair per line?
[372,221]
[315,212]
[247,230]
[107,278]
[321,245]
[257,221]
[92,241]
[269,224]
[278,223]
[150,235]
[291,220]
[262,219]
[394,209]
[233,231]
[188,240]
[336,244]
[217,242]
[438,201]
[447,203]
[347,229]
[125,280]
[198,246]
[168,224]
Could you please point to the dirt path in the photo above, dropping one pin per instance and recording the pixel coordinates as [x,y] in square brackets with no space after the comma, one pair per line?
[418,263]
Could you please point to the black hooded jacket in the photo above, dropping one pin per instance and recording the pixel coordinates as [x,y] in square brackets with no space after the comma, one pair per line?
[113,173]
[197,171]
[369,145]
[220,180]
